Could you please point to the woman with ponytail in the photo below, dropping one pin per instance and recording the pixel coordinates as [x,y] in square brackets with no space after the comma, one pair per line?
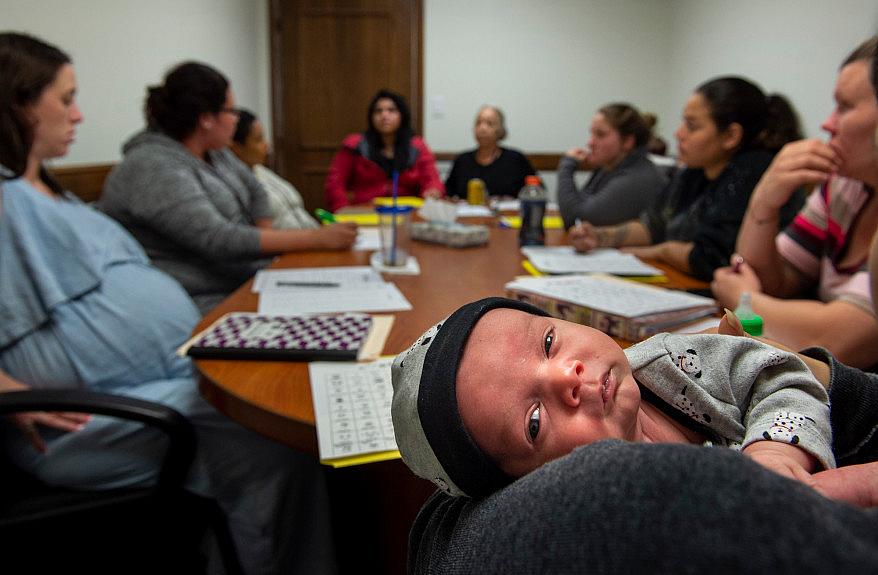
[199,212]
[726,140]
[624,182]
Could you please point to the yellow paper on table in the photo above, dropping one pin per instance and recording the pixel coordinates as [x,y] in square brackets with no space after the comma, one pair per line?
[549,222]
[361,459]
[413,201]
[363,219]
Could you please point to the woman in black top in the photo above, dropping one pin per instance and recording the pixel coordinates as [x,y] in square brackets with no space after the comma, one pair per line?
[724,138]
[502,169]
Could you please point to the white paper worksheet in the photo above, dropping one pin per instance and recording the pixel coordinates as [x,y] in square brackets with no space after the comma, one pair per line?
[368,239]
[564,260]
[371,297]
[281,279]
[352,407]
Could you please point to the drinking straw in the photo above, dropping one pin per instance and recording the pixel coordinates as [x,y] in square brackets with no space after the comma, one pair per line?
[393,227]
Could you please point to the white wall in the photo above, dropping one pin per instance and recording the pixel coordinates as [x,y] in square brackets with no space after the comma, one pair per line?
[119,47]
[549,64]
[787,46]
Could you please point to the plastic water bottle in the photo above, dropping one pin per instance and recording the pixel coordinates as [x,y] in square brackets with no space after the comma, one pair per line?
[532,198]
[751,322]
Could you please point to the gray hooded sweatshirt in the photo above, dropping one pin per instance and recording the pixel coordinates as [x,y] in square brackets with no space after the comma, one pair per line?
[195,218]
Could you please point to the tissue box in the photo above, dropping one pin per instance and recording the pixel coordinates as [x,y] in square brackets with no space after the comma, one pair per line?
[453,234]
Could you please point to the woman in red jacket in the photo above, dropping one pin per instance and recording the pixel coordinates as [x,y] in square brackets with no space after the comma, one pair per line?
[363,168]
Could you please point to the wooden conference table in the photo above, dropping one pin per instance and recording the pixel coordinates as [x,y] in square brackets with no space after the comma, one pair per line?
[274,398]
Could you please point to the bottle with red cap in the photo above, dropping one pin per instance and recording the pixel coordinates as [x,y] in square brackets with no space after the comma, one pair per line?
[532,199]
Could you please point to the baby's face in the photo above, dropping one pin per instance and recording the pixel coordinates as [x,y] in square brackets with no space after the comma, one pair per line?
[530,389]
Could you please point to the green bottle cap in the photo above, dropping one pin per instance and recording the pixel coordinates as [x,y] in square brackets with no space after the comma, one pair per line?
[752,324]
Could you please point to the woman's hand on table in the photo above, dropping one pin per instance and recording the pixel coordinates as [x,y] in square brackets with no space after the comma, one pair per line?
[339,236]
[583,236]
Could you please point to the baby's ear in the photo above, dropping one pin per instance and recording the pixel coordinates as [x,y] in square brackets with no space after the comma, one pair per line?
[730,325]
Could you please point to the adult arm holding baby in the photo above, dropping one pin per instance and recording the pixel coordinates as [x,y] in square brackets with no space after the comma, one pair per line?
[857,483]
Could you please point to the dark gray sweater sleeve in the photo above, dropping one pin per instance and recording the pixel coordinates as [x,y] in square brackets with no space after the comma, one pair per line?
[568,195]
[609,197]
[853,399]
[170,199]
[614,507]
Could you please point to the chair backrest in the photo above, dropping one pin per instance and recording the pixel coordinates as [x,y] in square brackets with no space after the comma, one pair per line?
[158,528]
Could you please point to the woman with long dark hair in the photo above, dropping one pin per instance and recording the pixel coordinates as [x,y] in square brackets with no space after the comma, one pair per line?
[364,166]
[198,211]
[83,308]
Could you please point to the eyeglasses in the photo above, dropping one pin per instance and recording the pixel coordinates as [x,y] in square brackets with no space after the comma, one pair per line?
[233,111]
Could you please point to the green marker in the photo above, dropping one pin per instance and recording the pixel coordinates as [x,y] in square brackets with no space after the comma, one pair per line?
[324,216]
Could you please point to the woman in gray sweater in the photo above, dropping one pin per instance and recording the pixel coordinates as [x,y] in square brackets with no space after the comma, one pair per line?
[624,182]
[199,212]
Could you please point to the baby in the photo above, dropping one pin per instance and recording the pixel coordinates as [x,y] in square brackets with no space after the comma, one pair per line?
[499,388]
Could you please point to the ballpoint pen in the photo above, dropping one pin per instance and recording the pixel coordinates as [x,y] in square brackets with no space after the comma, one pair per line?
[308,284]
[324,216]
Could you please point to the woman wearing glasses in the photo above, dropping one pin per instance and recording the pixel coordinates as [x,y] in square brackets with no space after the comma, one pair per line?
[198,211]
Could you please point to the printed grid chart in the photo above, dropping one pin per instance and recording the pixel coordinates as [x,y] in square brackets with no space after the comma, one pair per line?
[352,405]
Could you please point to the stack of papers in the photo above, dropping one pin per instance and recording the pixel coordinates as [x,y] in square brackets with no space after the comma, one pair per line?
[326,290]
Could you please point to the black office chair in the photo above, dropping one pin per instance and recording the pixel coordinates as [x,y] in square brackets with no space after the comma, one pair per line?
[156,529]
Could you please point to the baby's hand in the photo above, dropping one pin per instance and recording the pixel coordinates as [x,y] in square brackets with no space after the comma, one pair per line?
[783,458]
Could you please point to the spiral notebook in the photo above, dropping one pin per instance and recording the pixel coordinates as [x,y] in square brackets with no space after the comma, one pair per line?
[337,337]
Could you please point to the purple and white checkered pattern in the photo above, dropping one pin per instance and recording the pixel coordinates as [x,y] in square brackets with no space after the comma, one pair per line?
[317,332]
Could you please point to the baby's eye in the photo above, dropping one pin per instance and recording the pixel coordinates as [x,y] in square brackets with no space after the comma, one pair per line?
[533,424]
[550,339]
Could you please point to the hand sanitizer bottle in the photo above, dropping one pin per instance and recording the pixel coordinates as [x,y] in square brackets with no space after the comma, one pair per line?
[751,322]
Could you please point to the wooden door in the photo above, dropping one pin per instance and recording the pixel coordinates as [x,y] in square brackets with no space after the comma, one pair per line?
[329,57]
